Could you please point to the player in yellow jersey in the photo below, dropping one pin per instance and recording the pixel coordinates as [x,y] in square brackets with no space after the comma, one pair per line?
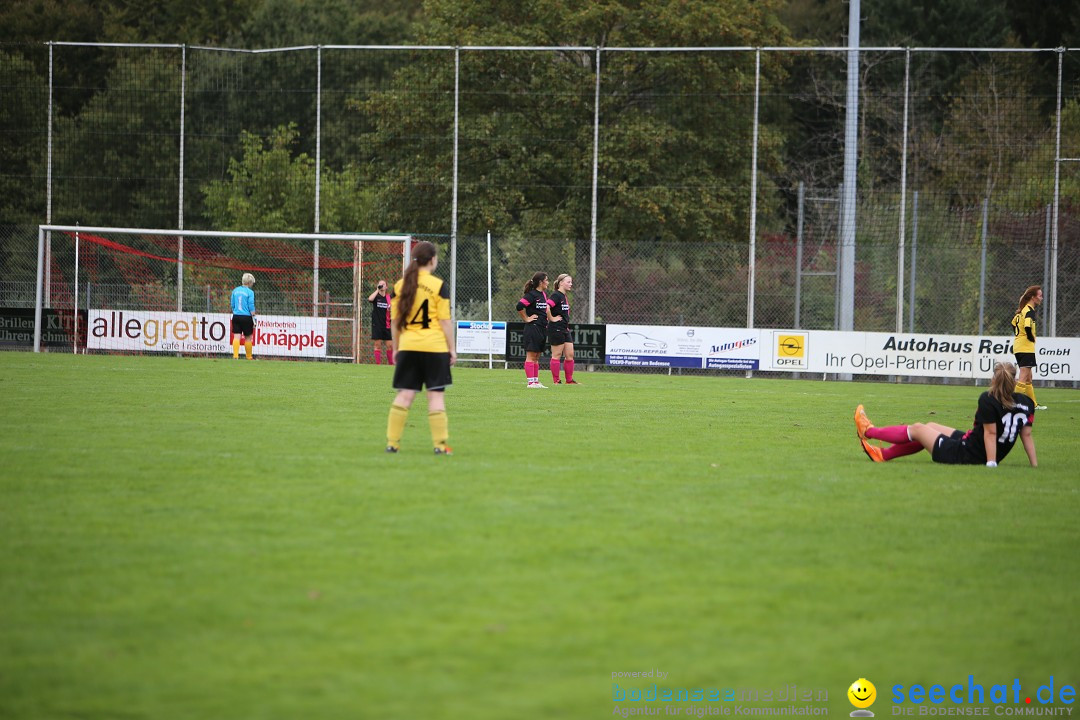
[1023,324]
[423,344]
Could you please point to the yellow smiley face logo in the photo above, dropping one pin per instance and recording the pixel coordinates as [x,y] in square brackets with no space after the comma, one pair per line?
[862,693]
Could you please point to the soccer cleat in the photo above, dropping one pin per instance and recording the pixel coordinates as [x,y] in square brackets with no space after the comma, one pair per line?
[392,449]
[862,423]
[536,385]
[447,450]
[572,382]
[1040,407]
[872,451]
[557,382]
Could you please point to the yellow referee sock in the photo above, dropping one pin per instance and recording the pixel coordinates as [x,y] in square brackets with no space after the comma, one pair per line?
[440,428]
[1027,389]
[395,425]
[236,347]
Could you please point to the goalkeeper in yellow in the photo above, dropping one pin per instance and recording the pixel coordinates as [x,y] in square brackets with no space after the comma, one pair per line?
[423,345]
[1023,324]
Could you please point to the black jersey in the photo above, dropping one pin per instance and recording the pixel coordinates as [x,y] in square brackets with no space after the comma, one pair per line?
[1008,424]
[380,311]
[560,306]
[535,302]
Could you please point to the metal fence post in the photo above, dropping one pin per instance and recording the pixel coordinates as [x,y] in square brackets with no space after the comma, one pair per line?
[180,203]
[753,197]
[38,289]
[454,188]
[982,264]
[1057,205]
[903,200]
[1046,262]
[799,253]
[595,165]
[49,194]
[318,181]
[914,253]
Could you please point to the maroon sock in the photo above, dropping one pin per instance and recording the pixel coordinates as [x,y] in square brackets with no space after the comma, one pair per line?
[555,368]
[901,449]
[378,357]
[896,434]
[389,356]
[568,366]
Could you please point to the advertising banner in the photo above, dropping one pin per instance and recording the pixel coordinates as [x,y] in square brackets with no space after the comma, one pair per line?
[476,337]
[588,342]
[911,355]
[195,332]
[682,347]
[17,328]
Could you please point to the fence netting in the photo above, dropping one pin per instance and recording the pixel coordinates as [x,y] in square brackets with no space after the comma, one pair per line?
[954,217]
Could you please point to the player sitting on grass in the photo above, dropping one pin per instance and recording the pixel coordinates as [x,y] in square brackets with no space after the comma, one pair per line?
[1002,415]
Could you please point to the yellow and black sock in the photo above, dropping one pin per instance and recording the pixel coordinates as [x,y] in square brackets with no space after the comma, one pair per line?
[1027,389]
[440,428]
[395,424]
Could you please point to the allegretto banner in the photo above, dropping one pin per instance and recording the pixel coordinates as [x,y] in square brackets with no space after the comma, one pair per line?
[131,330]
[824,351]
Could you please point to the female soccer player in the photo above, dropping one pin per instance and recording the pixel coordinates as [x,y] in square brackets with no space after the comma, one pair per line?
[380,323]
[1001,416]
[534,310]
[423,339]
[243,316]
[1023,323]
[562,348]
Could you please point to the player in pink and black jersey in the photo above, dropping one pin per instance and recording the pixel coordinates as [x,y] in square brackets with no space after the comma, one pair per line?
[1002,417]
[562,345]
[380,322]
[533,307]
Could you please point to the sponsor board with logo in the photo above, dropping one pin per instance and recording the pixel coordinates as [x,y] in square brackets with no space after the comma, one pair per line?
[682,347]
[57,328]
[912,355]
[588,343]
[475,337]
[196,332]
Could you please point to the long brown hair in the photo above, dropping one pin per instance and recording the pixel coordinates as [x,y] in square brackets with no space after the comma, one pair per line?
[537,278]
[1003,384]
[422,254]
[1026,298]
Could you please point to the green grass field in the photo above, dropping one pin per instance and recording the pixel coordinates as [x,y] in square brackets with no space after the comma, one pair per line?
[193,539]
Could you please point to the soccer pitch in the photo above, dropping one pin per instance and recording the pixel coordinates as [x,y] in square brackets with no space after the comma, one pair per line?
[191,538]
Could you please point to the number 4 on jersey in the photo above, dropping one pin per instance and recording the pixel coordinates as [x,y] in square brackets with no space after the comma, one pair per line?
[422,313]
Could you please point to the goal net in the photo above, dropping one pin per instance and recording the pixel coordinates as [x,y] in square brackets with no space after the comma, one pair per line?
[144,290]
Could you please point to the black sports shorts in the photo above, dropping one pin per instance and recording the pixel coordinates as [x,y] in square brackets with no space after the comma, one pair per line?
[1025,359]
[381,332]
[415,370]
[243,325]
[951,450]
[535,340]
[559,336]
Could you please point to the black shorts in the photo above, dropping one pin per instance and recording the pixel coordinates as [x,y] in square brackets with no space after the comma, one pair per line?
[243,325]
[1025,359]
[415,370]
[535,340]
[559,336]
[381,332]
[951,450]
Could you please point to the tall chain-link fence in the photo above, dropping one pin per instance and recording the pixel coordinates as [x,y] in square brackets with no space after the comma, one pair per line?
[704,186]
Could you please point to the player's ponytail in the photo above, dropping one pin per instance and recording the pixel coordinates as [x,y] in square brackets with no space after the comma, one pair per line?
[1026,298]
[422,254]
[537,278]
[558,281]
[1003,384]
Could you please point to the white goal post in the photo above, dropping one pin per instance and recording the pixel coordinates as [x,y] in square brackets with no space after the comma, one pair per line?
[135,266]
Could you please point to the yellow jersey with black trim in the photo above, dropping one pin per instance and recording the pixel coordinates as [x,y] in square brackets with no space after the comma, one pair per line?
[1023,324]
[423,332]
